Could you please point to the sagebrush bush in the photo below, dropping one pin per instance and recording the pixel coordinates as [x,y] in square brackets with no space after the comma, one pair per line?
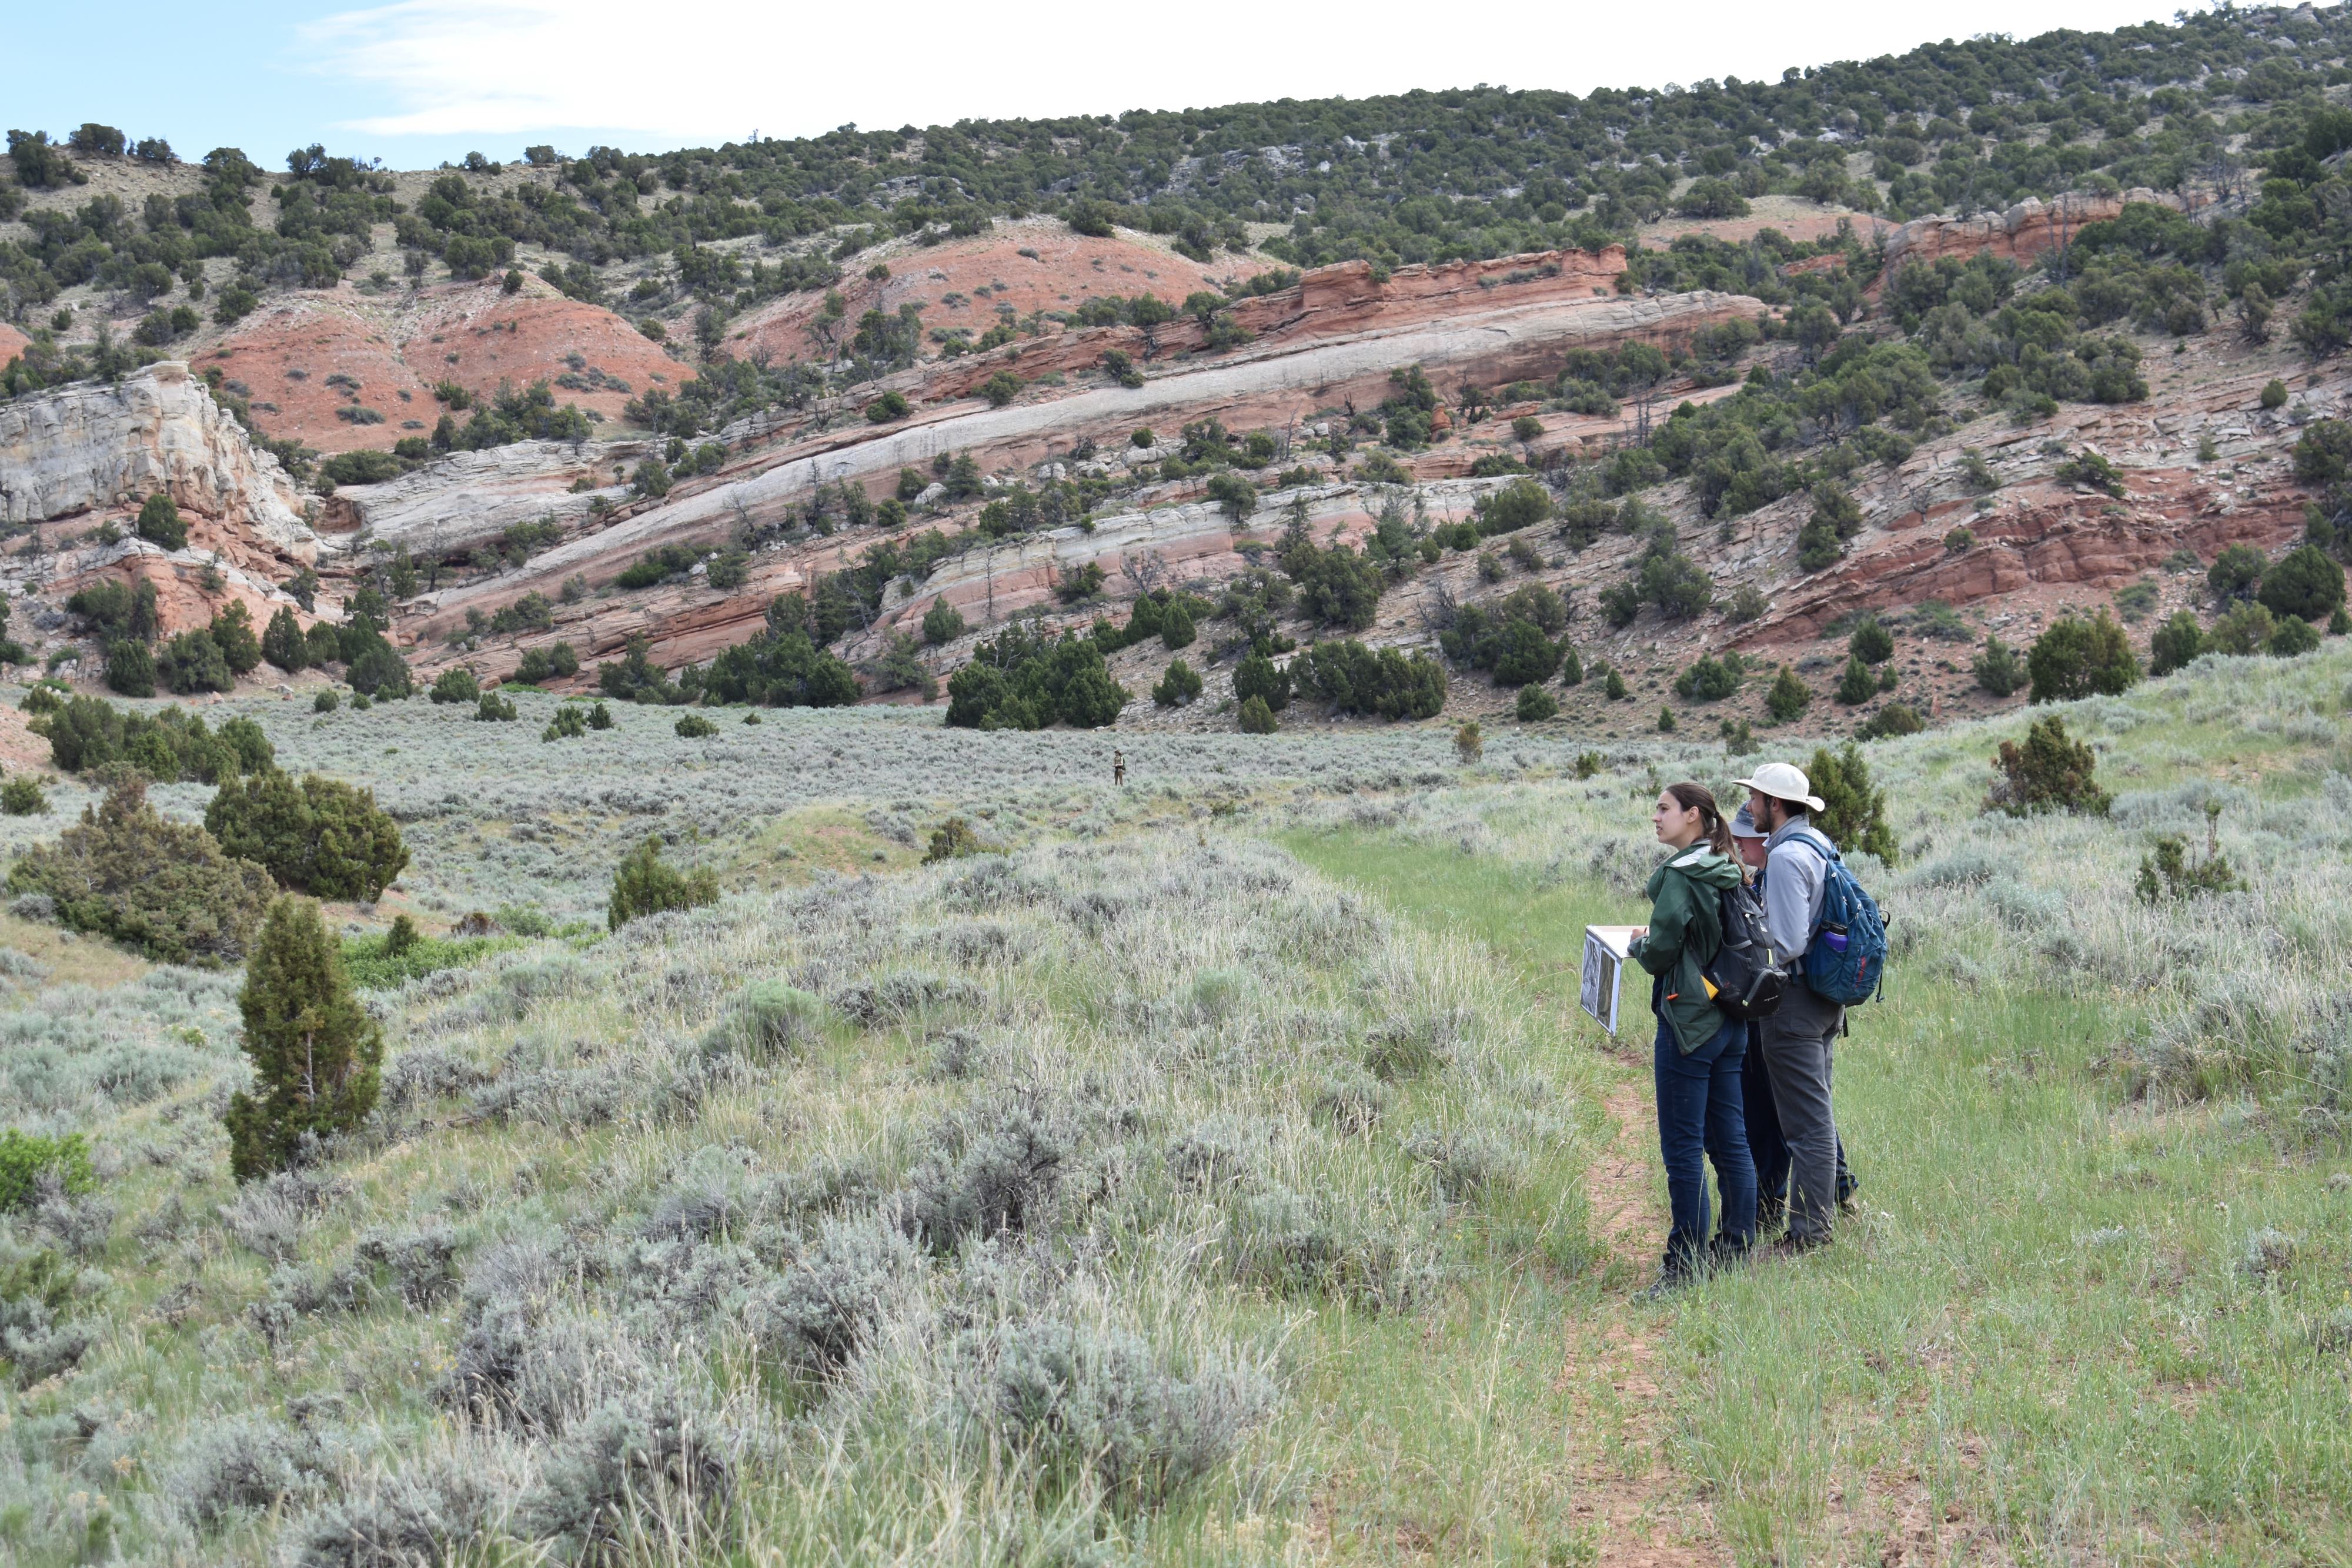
[819,1315]
[1094,1401]
[1297,1245]
[1467,1162]
[417,1260]
[272,1215]
[769,1021]
[411,1516]
[658,1454]
[164,888]
[993,1172]
[38,1337]
[245,1463]
[1407,1048]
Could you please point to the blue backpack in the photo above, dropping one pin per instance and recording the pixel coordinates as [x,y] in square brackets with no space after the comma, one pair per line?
[1845,962]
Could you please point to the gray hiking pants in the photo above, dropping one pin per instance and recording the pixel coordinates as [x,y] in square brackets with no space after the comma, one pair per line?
[1796,1045]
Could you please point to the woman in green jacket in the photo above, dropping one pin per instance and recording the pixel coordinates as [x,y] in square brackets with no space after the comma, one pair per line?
[1699,1048]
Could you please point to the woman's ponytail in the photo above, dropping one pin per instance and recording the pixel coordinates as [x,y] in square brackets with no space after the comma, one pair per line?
[1700,799]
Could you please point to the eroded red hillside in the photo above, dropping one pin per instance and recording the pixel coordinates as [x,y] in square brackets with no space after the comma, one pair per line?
[338,370]
[316,366]
[484,336]
[1016,268]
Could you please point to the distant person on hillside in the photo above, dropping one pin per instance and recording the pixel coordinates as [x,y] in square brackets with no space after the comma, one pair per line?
[1764,1140]
[1795,1042]
[1118,767]
[1699,1049]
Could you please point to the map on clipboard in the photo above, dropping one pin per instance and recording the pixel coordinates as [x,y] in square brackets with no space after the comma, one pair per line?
[1605,949]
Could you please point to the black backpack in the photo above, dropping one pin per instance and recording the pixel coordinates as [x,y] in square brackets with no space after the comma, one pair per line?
[1749,974]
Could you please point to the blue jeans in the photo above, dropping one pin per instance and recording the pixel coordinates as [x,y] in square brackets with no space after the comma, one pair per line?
[1701,1113]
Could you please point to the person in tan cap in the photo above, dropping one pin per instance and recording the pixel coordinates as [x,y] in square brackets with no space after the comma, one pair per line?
[1795,1041]
[1764,1140]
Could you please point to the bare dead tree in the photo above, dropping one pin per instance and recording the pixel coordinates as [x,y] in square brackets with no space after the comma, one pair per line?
[1144,571]
[1440,616]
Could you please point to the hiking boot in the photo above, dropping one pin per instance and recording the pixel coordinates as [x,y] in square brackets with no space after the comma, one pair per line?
[1797,1246]
[1671,1283]
[1723,1256]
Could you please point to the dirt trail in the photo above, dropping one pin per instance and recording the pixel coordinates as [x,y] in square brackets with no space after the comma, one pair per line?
[1641,1512]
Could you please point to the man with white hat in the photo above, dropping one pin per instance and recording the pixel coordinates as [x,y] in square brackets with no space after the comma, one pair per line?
[1795,1042]
[1764,1140]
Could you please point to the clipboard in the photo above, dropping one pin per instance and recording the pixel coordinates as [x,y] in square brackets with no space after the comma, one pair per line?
[1605,951]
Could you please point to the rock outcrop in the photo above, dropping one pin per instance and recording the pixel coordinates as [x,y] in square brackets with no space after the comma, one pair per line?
[13,343]
[2025,232]
[2045,536]
[471,497]
[95,445]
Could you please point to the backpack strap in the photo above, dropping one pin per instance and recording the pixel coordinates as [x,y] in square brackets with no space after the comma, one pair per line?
[1815,839]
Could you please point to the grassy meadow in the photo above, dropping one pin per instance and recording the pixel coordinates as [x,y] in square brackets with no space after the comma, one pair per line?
[1214,1171]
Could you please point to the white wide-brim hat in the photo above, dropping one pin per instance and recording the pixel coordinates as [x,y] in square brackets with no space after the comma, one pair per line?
[1784,781]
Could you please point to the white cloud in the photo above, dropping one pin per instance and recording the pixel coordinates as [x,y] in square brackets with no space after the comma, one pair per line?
[707,70]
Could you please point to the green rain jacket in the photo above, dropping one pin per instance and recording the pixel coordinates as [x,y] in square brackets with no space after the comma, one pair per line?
[1686,933]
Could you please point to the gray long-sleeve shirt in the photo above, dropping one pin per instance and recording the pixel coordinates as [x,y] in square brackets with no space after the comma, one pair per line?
[1794,871]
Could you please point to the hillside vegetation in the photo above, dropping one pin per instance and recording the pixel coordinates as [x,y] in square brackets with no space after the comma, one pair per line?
[1200,1171]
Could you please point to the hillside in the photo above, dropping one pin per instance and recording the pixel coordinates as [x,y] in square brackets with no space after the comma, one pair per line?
[874,850]
[1218,1160]
[539,404]
[531,408]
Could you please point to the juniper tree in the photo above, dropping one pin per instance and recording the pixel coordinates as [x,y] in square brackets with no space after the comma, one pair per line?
[232,629]
[282,643]
[159,522]
[1999,669]
[1789,697]
[646,885]
[315,1051]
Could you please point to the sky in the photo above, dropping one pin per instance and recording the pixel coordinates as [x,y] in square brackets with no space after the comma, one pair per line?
[418,82]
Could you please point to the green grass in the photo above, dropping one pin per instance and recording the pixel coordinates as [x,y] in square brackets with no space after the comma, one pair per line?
[373,967]
[2042,1345]
[2043,1329]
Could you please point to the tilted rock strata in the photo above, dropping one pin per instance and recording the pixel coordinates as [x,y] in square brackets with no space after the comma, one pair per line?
[2043,536]
[1510,342]
[468,498]
[988,583]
